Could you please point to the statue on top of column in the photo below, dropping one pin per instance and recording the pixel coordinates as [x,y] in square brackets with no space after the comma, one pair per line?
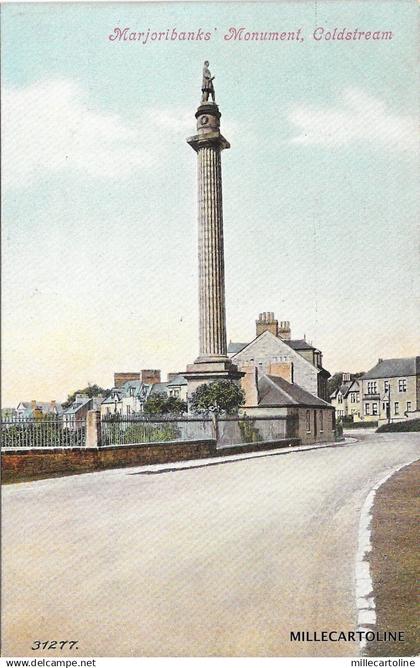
[207,87]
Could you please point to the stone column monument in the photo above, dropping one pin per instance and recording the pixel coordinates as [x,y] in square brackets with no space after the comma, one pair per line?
[212,362]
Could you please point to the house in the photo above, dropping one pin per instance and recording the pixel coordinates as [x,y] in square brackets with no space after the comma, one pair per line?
[177,386]
[112,405]
[273,345]
[346,398]
[390,391]
[312,418]
[129,398]
[74,414]
[31,410]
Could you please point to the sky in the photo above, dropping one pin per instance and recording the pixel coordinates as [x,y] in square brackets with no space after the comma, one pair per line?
[99,261]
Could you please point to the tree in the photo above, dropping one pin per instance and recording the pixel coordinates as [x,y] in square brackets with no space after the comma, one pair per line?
[161,404]
[219,396]
[90,390]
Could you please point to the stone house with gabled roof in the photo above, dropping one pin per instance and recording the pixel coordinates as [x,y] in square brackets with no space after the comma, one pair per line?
[268,395]
[301,361]
[390,391]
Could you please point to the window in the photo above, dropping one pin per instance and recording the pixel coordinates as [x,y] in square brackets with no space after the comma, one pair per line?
[367,409]
[340,398]
[409,405]
[353,397]
[402,385]
[308,421]
[321,421]
[131,391]
[374,409]
[386,385]
[372,387]
[128,410]
[396,408]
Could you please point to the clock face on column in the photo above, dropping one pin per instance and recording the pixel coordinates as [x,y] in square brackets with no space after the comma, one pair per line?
[204,120]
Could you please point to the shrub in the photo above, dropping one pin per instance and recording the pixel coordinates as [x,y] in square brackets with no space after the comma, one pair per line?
[407,425]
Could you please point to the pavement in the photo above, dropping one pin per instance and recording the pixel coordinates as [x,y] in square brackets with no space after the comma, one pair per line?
[218,558]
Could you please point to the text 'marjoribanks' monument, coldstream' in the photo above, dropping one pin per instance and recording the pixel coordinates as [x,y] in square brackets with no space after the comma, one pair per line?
[212,362]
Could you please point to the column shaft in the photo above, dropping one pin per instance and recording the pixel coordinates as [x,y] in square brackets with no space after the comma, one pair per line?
[210,253]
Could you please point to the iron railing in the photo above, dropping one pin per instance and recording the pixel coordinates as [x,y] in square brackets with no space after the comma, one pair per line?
[226,430]
[44,432]
[139,429]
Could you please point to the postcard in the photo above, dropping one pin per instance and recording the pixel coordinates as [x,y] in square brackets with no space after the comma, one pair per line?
[211,351]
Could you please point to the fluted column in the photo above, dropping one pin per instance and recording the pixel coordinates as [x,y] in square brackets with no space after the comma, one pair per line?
[210,255]
[212,362]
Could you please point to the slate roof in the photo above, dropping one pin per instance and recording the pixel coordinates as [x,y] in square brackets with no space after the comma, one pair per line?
[392,368]
[344,389]
[275,391]
[76,405]
[159,387]
[45,406]
[178,380]
[299,344]
[236,347]
[110,399]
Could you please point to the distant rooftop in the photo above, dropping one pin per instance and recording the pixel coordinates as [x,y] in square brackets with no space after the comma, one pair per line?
[391,368]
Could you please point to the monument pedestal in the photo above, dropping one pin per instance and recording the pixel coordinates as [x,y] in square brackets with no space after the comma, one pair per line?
[208,371]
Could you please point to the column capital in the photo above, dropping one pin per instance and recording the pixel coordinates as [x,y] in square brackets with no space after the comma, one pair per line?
[208,140]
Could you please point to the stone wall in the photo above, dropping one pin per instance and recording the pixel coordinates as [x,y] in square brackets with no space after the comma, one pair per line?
[322,432]
[23,465]
[30,464]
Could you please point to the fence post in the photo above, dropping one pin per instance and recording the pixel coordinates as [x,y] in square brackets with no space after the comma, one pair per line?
[215,426]
[93,429]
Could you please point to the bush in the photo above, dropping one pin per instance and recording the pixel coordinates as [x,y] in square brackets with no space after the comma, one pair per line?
[360,425]
[249,433]
[407,425]
[220,396]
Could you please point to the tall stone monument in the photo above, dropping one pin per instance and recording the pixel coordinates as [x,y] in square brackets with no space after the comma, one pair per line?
[212,362]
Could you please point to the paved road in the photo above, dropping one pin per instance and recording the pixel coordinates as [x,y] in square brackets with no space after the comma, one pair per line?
[216,560]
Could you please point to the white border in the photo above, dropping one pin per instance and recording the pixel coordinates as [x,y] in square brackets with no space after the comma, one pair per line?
[365,601]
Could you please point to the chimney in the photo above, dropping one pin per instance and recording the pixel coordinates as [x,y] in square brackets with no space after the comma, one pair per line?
[53,406]
[346,378]
[249,384]
[121,377]
[284,331]
[282,370]
[33,404]
[266,322]
[150,376]
[380,360]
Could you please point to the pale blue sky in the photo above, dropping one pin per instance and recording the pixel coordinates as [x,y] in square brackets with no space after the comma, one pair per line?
[99,204]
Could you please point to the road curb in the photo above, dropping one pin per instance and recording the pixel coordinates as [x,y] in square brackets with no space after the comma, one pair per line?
[365,600]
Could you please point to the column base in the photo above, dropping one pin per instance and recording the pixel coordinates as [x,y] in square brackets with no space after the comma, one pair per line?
[208,370]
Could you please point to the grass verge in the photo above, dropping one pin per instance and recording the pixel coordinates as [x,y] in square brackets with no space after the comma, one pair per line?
[395,561]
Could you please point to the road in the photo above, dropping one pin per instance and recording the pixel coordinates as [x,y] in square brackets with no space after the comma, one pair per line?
[224,559]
